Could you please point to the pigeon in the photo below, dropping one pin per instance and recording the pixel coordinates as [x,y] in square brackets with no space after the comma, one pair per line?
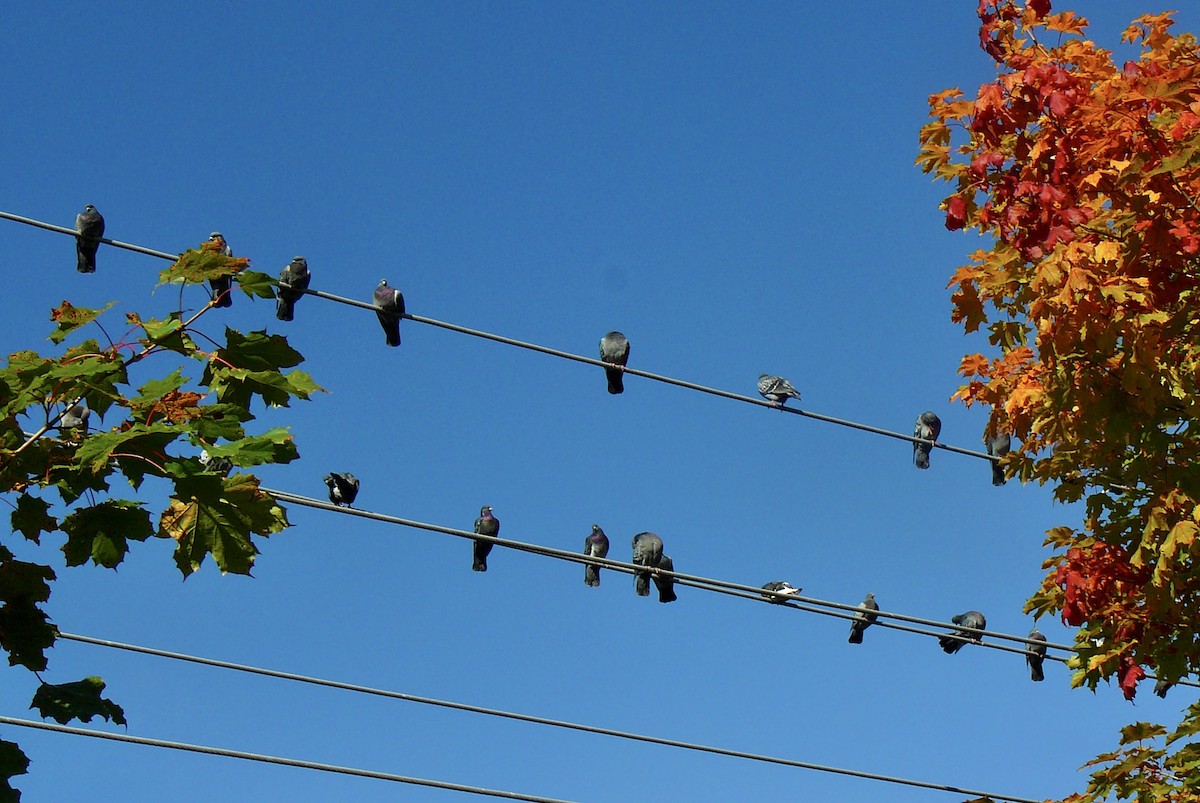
[864,619]
[665,583]
[390,302]
[220,465]
[75,417]
[292,284]
[776,389]
[781,588]
[928,427]
[486,524]
[90,227]
[1035,655]
[951,644]
[1162,687]
[343,488]
[222,285]
[595,545]
[647,551]
[998,447]
[614,348]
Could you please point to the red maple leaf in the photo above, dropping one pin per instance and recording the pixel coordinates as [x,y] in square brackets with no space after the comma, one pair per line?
[956,212]
[1129,674]
[1039,7]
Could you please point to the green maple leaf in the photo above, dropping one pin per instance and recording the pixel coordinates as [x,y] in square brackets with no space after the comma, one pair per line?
[69,318]
[217,516]
[273,446]
[102,532]
[12,762]
[257,284]
[79,700]
[31,517]
[25,630]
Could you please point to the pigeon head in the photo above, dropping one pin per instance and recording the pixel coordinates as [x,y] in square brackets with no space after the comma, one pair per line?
[485,511]
[300,260]
[216,235]
[89,208]
[383,283]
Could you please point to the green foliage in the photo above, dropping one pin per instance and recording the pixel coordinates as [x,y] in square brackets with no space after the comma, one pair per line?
[77,700]
[12,762]
[101,532]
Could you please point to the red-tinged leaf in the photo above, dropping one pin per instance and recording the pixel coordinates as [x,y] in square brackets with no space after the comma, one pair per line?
[1129,675]
[956,212]
[1039,7]
[1059,103]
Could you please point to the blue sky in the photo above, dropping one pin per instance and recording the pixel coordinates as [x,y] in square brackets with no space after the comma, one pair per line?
[730,185]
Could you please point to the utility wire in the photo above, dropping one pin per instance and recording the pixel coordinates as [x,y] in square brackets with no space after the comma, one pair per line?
[558,353]
[557,723]
[287,762]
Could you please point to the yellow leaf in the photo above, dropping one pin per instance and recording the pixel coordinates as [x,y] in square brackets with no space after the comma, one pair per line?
[1119,164]
[1107,251]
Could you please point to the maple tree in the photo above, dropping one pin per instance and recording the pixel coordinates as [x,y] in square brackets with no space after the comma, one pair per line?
[189,434]
[1085,175]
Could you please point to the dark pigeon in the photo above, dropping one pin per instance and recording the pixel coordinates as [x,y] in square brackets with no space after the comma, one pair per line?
[292,284]
[1162,687]
[664,582]
[75,417]
[998,446]
[864,619]
[220,465]
[776,389]
[782,588]
[928,427]
[1035,655]
[390,302]
[90,227]
[343,488]
[486,524]
[595,545]
[950,644]
[647,551]
[222,286]
[614,348]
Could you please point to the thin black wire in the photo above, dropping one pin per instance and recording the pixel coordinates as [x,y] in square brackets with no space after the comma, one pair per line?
[287,762]
[558,353]
[557,723]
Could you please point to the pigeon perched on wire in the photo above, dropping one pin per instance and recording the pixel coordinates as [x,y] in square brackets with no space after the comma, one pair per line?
[998,446]
[293,281]
[1035,655]
[390,303]
[863,619]
[486,524]
[954,642]
[647,551]
[614,348]
[596,546]
[665,583]
[219,465]
[782,588]
[343,488]
[1162,687]
[928,427]
[75,417]
[89,225]
[776,389]
[222,286]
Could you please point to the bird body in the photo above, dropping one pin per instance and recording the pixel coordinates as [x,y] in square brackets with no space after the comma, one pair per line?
[220,465]
[486,524]
[782,588]
[1162,687]
[864,619]
[293,281]
[776,389]
[222,285]
[665,583]
[595,545]
[89,227]
[75,417]
[1035,655]
[343,488]
[390,303]
[928,427]
[647,551]
[998,446]
[614,348]
[975,619]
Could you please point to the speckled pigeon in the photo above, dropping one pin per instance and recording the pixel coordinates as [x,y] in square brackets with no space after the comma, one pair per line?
[292,284]
[863,619]
[90,227]
[486,524]
[1035,655]
[998,446]
[222,285]
[665,583]
[776,389]
[951,645]
[929,426]
[782,588]
[75,417]
[219,465]
[343,488]
[391,306]
[595,545]
[614,348]
[647,551]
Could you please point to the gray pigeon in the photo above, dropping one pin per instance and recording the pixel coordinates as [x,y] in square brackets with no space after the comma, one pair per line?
[928,427]
[647,551]
[864,619]
[343,488]
[950,644]
[75,417]
[220,465]
[222,285]
[292,284]
[90,227]
[595,545]
[998,446]
[776,389]
[665,583]
[390,302]
[1035,655]
[614,348]
[782,588]
[486,524]
[1162,687]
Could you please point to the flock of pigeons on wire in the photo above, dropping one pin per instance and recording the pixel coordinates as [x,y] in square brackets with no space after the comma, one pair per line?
[614,350]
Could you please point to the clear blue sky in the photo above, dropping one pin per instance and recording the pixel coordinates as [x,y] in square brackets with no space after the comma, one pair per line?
[732,186]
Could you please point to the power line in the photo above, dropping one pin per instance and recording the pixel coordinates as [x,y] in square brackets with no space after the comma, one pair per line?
[287,762]
[557,723]
[559,353]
